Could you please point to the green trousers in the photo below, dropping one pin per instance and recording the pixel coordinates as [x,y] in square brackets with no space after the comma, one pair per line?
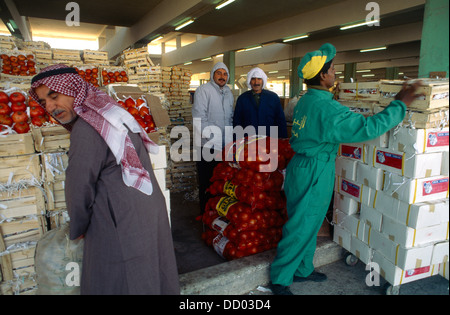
[308,186]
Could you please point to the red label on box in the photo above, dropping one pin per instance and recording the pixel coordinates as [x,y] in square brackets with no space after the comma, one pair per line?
[437,139]
[350,188]
[389,159]
[351,152]
[435,186]
[417,271]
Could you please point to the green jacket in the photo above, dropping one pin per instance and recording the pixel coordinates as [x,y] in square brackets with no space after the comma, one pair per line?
[321,123]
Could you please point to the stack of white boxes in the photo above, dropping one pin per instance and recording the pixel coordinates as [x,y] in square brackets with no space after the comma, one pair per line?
[391,202]
[159,165]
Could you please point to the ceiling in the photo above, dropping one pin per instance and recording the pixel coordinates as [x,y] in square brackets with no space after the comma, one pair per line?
[244,23]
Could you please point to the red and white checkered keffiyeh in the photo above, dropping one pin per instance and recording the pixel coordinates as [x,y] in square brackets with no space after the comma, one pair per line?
[109,119]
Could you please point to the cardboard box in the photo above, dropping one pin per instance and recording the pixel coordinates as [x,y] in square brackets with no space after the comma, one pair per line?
[445,163]
[409,237]
[416,190]
[361,250]
[397,276]
[342,237]
[408,165]
[416,215]
[440,253]
[159,113]
[443,270]
[346,167]
[348,222]
[159,160]
[370,176]
[380,142]
[402,257]
[419,140]
[354,190]
[346,204]
[356,151]
[160,175]
[371,217]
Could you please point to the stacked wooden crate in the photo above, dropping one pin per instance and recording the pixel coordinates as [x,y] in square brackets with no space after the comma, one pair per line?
[22,213]
[391,193]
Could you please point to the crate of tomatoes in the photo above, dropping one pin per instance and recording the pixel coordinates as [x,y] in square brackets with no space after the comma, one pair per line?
[17,63]
[113,75]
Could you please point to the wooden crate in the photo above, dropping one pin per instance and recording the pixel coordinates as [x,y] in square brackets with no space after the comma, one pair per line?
[23,230]
[56,197]
[19,287]
[54,165]
[364,91]
[20,167]
[66,54]
[95,55]
[135,53]
[16,144]
[21,202]
[51,139]
[18,263]
[437,118]
[436,94]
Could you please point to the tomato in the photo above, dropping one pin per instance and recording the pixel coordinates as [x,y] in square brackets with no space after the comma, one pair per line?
[21,127]
[17,96]
[19,116]
[18,107]
[121,103]
[5,109]
[36,111]
[38,121]
[129,102]
[4,97]
[6,120]
[133,111]
[144,111]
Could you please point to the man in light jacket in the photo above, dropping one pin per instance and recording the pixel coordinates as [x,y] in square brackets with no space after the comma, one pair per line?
[212,112]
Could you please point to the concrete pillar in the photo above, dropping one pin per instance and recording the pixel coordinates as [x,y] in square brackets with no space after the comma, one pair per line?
[434,44]
[296,84]
[349,72]
[229,59]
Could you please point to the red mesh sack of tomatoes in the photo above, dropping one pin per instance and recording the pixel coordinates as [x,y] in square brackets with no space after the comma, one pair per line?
[259,153]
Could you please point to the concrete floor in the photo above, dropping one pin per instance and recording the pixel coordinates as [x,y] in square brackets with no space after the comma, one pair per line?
[203,271]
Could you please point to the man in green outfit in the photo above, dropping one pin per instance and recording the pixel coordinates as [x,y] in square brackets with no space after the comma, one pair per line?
[320,125]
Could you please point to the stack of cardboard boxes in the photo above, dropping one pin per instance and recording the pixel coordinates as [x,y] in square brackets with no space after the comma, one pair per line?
[391,199]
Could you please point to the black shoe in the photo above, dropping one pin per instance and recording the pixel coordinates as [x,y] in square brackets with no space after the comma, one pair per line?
[314,276]
[278,289]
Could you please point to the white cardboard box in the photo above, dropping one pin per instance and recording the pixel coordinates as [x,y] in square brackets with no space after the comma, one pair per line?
[406,164]
[370,176]
[419,140]
[440,253]
[342,237]
[397,276]
[159,160]
[354,190]
[371,217]
[443,270]
[416,215]
[416,190]
[160,175]
[445,163]
[345,221]
[409,237]
[404,258]
[346,167]
[346,204]
[356,151]
[361,250]
[380,142]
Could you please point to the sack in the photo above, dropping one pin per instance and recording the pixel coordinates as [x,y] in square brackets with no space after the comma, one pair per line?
[58,263]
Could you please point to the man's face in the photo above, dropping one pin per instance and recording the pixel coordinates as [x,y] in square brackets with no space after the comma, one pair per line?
[329,77]
[58,105]
[221,77]
[256,84]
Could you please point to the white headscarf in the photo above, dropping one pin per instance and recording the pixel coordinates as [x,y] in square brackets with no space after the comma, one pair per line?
[256,73]
[217,66]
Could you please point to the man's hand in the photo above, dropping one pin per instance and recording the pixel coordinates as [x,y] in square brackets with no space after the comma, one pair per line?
[408,93]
